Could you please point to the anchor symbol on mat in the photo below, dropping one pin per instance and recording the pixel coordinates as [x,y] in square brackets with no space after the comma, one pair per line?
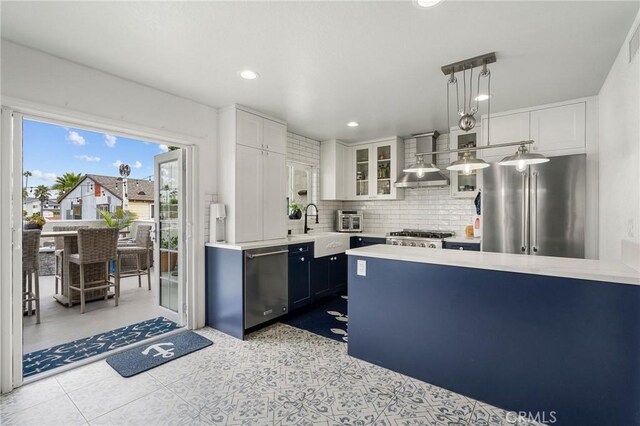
[158,347]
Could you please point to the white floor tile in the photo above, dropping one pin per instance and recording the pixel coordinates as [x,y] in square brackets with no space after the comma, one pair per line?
[29,395]
[84,376]
[161,407]
[101,397]
[57,411]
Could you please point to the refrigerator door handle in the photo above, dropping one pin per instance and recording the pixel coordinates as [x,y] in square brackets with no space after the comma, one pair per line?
[534,213]
[524,248]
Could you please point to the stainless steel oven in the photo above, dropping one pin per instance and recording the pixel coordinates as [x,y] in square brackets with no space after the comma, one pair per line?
[349,221]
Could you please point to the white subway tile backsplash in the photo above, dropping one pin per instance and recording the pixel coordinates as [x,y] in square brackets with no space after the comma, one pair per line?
[431,208]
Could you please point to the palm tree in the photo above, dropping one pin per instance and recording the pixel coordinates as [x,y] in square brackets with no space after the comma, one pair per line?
[42,193]
[65,182]
[27,174]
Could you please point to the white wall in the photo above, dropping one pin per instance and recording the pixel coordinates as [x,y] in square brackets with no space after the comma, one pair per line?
[619,150]
[30,78]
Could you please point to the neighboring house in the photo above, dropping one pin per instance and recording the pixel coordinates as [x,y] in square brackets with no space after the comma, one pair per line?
[96,192]
[51,208]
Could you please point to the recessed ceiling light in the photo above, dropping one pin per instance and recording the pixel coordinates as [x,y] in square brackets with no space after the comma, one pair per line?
[482,97]
[353,124]
[426,3]
[248,74]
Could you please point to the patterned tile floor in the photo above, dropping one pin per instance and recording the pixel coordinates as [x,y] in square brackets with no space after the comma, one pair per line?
[280,375]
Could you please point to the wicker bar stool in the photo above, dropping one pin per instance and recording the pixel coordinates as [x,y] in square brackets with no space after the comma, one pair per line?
[95,246]
[138,248]
[31,271]
[59,251]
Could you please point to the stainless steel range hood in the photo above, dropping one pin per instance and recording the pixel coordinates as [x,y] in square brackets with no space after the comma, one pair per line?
[425,142]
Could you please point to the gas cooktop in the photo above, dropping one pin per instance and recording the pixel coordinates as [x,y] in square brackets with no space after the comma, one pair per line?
[436,235]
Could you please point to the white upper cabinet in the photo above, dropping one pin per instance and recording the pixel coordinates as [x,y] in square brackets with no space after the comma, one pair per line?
[465,185]
[249,129]
[334,162]
[375,167]
[560,129]
[365,171]
[503,128]
[252,175]
[275,136]
[556,129]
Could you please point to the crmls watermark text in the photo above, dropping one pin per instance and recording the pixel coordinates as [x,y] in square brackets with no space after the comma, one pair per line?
[515,417]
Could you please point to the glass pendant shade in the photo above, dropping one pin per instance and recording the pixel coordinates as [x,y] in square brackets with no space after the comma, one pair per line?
[523,158]
[420,167]
[467,164]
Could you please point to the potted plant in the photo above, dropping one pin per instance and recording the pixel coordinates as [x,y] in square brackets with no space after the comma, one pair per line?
[35,221]
[295,211]
[120,219]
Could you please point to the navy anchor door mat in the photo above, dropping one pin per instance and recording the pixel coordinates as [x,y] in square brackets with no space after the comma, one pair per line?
[145,357]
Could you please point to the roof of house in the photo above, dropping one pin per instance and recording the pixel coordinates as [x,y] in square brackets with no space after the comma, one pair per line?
[139,189]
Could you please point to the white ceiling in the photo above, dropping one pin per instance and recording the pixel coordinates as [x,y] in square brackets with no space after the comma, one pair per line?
[323,64]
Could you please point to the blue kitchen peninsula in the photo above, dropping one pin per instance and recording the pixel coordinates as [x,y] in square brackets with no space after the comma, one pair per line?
[525,333]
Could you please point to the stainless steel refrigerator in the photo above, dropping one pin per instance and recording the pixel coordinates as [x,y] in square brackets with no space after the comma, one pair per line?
[540,211]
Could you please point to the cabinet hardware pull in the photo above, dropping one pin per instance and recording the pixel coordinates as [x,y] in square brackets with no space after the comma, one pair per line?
[302,259]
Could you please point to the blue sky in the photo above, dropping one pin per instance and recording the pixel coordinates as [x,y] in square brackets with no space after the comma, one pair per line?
[50,151]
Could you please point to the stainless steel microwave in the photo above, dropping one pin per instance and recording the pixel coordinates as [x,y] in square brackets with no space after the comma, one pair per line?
[349,221]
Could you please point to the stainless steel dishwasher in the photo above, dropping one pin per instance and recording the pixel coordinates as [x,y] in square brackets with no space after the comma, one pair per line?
[266,288]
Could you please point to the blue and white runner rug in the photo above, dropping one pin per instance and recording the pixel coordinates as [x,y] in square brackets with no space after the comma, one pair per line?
[57,356]
[145,357]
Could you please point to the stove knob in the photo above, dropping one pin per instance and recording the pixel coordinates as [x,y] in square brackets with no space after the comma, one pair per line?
[423,245]
[403,243]
[412,244]
[432,245]
[394,243]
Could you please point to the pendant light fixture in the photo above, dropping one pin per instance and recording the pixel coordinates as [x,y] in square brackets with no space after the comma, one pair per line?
[468,164]
[523,158]
[420,167]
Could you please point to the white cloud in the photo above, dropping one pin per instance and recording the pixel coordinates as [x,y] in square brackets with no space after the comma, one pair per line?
[76,139]
[110,140]
[87,158]
[38,174]
[136,165]
[117,163]
[164,148]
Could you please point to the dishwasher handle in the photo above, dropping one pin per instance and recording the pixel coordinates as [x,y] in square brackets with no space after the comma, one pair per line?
[271,253]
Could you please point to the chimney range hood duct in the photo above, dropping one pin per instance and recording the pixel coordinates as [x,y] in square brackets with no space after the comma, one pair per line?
[425,143]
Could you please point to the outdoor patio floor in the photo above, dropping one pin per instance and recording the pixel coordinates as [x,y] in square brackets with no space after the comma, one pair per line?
[59,324]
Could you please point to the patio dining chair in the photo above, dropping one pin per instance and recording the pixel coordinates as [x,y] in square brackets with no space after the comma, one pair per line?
[141,246]
[97,247]
[59,251]
[31,271]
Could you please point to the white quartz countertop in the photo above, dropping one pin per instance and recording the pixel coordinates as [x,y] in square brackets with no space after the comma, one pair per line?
[261,244]
[294,239]
[586,269]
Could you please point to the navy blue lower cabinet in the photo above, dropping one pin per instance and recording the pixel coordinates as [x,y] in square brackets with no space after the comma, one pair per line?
[299,282]
[320,284]
[357,242]
[542,345]
[338,272]
[461,246]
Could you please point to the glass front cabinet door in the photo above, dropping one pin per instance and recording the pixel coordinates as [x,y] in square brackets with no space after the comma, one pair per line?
[465,185]
[377,165]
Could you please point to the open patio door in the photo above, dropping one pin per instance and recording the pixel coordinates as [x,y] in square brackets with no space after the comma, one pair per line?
[170,234]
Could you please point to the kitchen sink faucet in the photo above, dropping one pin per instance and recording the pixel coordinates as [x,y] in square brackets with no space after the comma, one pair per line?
[306,228]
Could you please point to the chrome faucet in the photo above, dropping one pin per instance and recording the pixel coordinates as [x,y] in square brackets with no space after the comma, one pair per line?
[306,228]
